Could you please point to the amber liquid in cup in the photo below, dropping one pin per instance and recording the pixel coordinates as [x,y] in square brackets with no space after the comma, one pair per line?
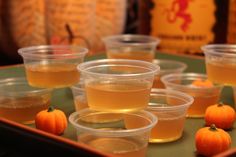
[157,83]
[52,75]
[23,110]
[80,102]
[162,131]
[136,55]
[121,147]
[221,72]
[201,102]
[118,97]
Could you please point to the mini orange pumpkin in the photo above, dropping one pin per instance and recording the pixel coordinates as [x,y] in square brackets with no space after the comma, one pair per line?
[211,140]
[51,120]
[202,83]
[223,116]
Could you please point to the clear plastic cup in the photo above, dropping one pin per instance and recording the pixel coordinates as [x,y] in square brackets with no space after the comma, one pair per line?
[167,67]
[118,85]
[221,63]
[170,107]
[79,96]
[204,96]
[52,66]
[127,46]
[20,102]
[127,135]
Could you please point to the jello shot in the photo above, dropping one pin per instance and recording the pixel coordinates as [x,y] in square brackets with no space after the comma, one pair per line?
[129,46]
[118,85]
[205,92]
[221,63]
[52,66]
[20,102]
[167,67]
[170,107]
[125,137]
[79,96]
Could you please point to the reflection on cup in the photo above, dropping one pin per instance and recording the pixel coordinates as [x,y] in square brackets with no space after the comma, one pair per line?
[114,137]
[138,47]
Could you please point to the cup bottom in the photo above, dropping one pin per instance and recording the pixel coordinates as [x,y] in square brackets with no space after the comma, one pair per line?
[195,116]
[161,140]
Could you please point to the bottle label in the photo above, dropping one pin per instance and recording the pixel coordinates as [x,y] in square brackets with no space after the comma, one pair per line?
[183,25]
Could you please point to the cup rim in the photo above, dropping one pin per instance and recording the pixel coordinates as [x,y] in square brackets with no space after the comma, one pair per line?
[78,86]
[173,93]
[85,66]
[110,133]
[117,40]
[33,51]
[214,49]
[182,66]
[165,80]
[21,80]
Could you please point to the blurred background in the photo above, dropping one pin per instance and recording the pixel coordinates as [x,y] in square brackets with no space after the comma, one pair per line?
[182,25]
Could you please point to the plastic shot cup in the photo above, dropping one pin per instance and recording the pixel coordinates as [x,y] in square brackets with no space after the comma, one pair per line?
[220,63]
[170,107]
[125,136]
[118,85]
[52,66]
[127,46]
[204,96]
[79,96]
[167,67]
[20,102]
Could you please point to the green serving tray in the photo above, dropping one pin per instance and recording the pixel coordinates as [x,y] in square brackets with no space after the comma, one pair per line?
[185,146]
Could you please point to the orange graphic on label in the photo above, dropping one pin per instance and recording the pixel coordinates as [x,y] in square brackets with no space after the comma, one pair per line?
[178,10]
[183,25]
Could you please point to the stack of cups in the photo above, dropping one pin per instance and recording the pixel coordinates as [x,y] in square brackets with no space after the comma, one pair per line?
[117,92]
[122,106]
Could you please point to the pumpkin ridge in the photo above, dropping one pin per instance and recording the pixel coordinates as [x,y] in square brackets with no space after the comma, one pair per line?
[51,122]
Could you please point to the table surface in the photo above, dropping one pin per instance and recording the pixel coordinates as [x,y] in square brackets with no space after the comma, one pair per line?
[62,99]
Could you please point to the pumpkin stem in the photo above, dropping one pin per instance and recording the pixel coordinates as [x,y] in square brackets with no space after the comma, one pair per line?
[50,109]
[70,33]
[220,104]
[213,127]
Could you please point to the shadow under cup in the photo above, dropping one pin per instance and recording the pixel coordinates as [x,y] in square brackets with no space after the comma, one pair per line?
[120,134]
[170,107]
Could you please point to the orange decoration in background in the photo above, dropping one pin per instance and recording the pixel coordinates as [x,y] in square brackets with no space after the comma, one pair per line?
[202,83]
